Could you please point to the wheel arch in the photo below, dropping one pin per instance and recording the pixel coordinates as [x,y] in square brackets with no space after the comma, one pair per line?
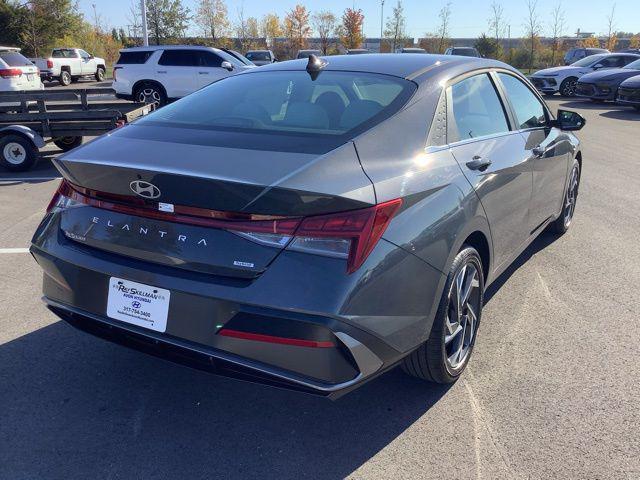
[26,132]
[140,83]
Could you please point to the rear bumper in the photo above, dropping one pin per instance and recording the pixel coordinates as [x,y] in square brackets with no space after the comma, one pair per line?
[217,361]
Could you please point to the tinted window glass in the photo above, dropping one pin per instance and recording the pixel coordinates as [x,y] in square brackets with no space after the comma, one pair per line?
[133,58]
[286,103]
[530,113]
[180,58]
[590,60]
[64,53]
[259,56]
[83,54]
[209,59]
[15,59]
[635,65]
[477,110]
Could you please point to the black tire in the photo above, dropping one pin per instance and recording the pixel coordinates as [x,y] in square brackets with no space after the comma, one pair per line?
[65,78]
[564,220]
[568,87]
[67,143]
[100,74]
[150,93]
[17,153]
[429,362]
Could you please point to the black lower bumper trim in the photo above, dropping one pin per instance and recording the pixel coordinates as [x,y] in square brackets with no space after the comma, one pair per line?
[179,352]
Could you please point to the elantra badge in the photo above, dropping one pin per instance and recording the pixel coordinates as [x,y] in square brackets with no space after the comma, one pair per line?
[144,189]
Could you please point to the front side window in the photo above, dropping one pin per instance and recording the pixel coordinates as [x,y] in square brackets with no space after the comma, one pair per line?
[477,110]
[633,65]
[83,54]
[530,113]
[209,59]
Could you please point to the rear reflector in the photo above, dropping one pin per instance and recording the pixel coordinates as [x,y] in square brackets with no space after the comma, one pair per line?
[350,235]
[258,337]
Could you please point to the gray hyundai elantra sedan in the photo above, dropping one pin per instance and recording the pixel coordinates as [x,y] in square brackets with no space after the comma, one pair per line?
[314,223]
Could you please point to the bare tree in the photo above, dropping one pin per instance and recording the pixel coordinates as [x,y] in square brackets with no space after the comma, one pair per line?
[533,29]
[242,28]
[496,21]
[395,29]
[324,23]
[443,29]
[557,27]
[211,16]
[134,17]
[612,39]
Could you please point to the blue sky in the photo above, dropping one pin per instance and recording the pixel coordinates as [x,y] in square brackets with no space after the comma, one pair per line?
[469,18]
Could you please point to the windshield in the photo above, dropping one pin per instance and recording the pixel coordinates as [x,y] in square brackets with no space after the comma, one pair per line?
[259,56]
[240,57]
[289,103]
[635,65]
[588,61]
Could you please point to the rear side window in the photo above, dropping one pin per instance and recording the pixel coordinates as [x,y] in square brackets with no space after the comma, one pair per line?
[530,113]
[15,59]
[64,53]
[477,110]
[134,58]
[180,58]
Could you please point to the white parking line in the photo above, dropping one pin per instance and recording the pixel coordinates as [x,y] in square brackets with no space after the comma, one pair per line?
[14,250]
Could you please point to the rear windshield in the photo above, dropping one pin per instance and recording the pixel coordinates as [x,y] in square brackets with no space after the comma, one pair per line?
[15,59]
[64,53]
[334,105]
[464,51]
[259,56]
[134,58]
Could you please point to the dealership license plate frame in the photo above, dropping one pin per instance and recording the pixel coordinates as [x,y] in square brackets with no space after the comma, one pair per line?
[138,304]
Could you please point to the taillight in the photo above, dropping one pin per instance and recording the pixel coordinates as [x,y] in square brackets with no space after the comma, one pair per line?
[351,235]
[49,63]
[10,72]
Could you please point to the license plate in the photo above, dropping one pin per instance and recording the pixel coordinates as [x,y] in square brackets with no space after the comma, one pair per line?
[138,304]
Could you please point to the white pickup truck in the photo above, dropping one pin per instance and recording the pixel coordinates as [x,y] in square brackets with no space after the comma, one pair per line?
[68,64]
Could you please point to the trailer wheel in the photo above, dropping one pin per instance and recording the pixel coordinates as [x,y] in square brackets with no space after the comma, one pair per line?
[65,78]
[17,154]
[67,143]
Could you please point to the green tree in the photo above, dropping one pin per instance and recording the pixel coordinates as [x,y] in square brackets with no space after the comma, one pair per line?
[395,29]
[43,22]
[9,23]
[211,16]
[167,19]
[488,47]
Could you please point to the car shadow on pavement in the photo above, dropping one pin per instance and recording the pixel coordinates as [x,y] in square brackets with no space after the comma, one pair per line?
[627,114]
[540,243]
[73,406]
[587,104]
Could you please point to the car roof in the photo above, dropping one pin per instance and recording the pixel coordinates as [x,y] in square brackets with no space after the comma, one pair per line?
[9,49]
[396,64]
[169,47]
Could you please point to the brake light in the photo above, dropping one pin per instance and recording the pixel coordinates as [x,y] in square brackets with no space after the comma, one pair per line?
[351,235]
[49,63]
[10,72]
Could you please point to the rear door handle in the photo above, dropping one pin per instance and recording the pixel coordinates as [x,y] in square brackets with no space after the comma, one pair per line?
[479,163]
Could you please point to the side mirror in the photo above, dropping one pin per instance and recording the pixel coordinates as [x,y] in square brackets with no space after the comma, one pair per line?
[227,65]
[597,66]
[569,121]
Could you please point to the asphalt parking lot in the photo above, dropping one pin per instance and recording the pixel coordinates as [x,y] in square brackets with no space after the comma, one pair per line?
[551,392]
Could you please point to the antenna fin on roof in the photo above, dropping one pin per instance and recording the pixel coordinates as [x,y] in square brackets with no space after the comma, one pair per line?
[315,66]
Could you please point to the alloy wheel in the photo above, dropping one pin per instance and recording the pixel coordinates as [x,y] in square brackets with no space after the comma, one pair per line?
[150,95]
[461,323]
[569,89]
[572,196]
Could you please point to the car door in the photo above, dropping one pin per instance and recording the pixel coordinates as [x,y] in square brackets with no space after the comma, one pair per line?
[547,148]
[492,157]
[87,64]
[210,68]
[177,71]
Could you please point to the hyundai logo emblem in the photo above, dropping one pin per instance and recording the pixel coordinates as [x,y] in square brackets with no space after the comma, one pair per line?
[144,189]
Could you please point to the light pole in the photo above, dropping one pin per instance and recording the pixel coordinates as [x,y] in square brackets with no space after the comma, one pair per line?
[145,33]
[381,22]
